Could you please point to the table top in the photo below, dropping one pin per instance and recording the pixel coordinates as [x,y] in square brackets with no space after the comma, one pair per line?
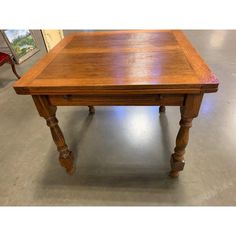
[109,61]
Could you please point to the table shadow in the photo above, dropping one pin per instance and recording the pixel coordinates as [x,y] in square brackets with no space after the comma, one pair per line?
[165,134]
[119,179]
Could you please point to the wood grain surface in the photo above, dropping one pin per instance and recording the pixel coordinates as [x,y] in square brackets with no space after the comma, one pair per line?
[112,62]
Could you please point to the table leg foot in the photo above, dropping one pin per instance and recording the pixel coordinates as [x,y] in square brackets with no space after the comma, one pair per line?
[67,161]
[162,109]
[177,165]
[91,110]
[65,155]
[174,174]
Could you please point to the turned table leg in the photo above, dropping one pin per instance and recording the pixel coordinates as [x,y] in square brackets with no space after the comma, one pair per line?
[91,109]
[188,111]
[49,113]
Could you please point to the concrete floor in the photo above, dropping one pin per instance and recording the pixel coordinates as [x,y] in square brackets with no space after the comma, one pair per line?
[123,152]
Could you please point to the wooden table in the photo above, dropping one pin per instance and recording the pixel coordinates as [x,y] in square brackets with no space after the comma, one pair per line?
[124,68]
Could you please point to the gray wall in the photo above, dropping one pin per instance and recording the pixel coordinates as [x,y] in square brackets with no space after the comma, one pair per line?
[66,32]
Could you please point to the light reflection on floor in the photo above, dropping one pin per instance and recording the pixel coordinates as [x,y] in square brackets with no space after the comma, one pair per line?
[138,119]
[207,106]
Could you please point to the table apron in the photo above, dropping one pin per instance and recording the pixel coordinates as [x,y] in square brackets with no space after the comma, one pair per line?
[117,100]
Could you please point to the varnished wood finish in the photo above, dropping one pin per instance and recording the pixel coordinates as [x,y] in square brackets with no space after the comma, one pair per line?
[49,113]
[104,62]
[140,67]
[162,108]
[117,100]
[189,110]
[91,109]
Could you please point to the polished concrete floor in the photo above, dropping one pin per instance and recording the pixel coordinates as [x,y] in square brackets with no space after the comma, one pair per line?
[123,152]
